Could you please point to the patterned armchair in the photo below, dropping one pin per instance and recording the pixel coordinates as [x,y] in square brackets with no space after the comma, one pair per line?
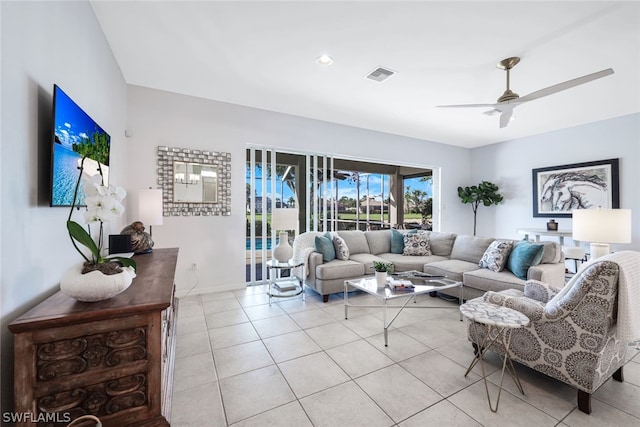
[573,332]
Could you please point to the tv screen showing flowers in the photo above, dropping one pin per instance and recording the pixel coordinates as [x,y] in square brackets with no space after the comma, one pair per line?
[75,136]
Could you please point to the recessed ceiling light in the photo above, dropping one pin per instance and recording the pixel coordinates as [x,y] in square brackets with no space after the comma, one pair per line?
[324,60]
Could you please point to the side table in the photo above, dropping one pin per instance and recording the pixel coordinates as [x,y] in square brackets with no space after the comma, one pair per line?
[284,287]
[498,320]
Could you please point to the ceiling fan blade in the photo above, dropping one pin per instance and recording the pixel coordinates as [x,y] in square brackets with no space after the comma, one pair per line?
[467,106]
[565,85]
[505,117]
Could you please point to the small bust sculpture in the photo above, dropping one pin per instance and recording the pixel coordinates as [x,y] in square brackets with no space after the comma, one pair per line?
[141,242]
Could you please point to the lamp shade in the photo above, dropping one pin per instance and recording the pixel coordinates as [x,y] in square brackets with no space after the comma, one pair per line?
[150,206]
[284,219]
[602,225]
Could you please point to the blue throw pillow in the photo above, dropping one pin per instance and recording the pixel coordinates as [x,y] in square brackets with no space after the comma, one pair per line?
[324,245]
[523,256]
[397,240]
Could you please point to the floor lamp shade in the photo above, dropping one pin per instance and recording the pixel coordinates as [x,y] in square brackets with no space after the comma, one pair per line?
[601,227]
[150,207]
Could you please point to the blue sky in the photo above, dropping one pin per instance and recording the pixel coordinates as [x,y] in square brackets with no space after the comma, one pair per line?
[72,124]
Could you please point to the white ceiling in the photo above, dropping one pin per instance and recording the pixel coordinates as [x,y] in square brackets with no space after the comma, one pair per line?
[262,54]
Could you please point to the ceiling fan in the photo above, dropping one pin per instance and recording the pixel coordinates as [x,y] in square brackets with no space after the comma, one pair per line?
[510,100]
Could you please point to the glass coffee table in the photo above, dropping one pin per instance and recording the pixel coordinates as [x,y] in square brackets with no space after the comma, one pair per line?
[424,284]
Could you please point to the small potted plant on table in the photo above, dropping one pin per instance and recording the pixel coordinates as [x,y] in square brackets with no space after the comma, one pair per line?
[382,269]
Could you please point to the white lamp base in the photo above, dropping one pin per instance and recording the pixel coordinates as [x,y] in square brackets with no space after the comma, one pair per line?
[599,249]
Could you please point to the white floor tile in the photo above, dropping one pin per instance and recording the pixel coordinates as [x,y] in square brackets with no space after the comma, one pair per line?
[359,358]
[289,415]
[344,405]
[291,345]
[253,393]
[228,336]
[397,392]
[329,371]
[198,406]
[332,335]
[241,358]
[312,373]
[275,326]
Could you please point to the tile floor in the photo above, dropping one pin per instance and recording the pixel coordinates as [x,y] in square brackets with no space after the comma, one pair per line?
[241,362]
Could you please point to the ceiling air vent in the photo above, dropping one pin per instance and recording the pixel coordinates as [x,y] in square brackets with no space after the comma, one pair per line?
[380,74]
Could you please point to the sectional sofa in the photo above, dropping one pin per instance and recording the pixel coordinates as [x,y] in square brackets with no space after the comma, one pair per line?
[454,256]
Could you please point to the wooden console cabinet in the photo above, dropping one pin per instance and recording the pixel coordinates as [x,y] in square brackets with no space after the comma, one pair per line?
[112,359]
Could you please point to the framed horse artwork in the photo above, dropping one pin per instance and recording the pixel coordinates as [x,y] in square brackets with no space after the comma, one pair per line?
[558,190]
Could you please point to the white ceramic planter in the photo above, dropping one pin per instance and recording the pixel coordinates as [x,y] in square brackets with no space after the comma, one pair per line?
[381,278]
[95,286]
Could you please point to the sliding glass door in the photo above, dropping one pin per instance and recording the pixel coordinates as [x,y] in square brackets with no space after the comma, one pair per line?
[298,192]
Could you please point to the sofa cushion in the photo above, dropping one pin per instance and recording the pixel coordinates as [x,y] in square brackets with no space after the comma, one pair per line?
[342,250]
[367,261]
[441,243]
[470,248]
[451,268]
[379,241]
[487,280]
[523,256]
[496,255]
[408,263]
[338,269]
[552,252]
[416,245]
[324,245]
[397,240]
[356,241]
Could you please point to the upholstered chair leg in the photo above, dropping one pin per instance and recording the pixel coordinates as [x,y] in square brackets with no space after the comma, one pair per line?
[617,375]
[584,401]
[476,349]
[325,298]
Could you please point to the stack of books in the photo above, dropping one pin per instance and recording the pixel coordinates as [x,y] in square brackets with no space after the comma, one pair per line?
[397,284]
[285,286]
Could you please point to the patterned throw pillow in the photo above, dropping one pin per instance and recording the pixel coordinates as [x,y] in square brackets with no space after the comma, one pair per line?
[496,256]
[342,251]
[416,244]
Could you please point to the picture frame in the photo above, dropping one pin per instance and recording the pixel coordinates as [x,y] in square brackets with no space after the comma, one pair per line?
[558,190]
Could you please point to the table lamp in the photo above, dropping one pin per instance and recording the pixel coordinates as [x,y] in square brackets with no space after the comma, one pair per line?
[284,219]
[601,227]
[150,207]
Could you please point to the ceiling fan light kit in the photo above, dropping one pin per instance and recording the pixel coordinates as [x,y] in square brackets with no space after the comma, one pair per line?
[510,100]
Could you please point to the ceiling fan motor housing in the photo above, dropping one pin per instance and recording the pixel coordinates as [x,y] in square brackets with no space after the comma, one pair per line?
[508,95]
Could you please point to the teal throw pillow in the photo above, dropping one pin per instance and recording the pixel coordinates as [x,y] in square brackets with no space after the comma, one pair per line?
[397,240]
[523,256]
[324,245]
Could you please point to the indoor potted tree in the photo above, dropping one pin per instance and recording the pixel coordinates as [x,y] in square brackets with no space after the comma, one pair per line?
[485,193]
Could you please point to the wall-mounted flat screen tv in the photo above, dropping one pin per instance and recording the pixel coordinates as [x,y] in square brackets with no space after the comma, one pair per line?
[75,135]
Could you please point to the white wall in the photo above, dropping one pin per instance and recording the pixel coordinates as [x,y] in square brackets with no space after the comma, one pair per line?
[217,244]
[509,165]
[45,43]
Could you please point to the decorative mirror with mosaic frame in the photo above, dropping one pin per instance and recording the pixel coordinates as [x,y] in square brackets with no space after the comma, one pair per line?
[194,182]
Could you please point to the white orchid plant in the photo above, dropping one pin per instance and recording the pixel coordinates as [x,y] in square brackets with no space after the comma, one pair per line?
[104,204]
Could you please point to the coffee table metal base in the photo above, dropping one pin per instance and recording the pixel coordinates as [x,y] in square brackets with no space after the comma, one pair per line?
[369,286]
